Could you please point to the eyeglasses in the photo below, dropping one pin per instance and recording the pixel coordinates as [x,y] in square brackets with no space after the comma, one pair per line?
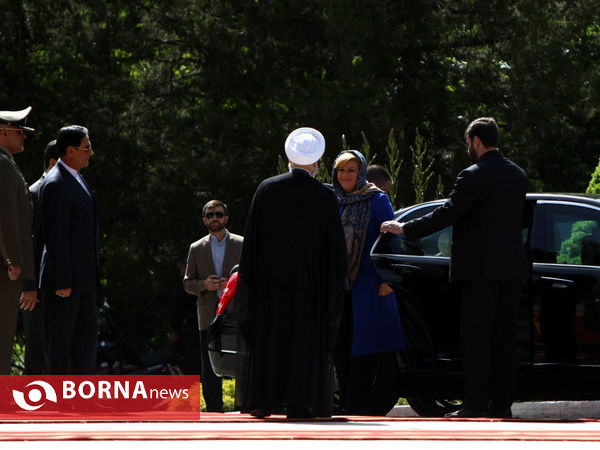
[210,215]
[85,149]
[18,130]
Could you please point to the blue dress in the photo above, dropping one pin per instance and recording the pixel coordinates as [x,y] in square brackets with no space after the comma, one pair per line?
[377,327]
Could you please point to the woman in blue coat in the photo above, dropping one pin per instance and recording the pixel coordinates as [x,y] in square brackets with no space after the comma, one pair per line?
[368,347]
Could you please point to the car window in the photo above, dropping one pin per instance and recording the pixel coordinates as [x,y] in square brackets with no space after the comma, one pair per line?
[436,244]
[572,235]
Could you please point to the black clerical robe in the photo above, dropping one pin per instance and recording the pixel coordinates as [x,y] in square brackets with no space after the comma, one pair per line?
[290,296]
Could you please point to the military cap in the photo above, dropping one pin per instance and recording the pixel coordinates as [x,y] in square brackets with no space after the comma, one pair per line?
[16,118]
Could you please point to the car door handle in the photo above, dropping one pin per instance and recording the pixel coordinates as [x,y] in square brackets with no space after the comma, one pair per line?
[406,268]
[558,283]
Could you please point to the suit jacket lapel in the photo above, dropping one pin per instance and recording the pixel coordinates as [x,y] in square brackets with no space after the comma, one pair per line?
[228,258]
[87,187]
[76,187]
[211,264]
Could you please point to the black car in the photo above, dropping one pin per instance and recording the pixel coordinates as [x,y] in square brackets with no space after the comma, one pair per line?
[559,317]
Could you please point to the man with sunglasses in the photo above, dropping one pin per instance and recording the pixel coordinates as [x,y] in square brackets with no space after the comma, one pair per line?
[16,245]
[209,262]
[69,267]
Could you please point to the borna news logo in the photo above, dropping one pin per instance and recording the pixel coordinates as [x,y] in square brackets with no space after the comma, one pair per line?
[99,394]
[36,397]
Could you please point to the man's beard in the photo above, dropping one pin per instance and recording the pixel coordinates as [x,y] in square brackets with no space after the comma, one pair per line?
[216,226]
[472,154]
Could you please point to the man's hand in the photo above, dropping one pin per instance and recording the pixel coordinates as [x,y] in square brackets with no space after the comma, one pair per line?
[14,272]
[385,289]
[63,292]
[391,226]
[212,283]
[28,300]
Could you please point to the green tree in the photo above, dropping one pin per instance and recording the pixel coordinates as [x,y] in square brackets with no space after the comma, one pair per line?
[594,186]
[394,163]
[421,170]
[570,249]
[193,101]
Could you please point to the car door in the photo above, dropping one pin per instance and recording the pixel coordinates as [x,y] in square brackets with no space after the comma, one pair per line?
[566,289]
[427,301]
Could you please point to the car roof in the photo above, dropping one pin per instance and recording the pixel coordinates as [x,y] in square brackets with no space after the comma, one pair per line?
[590,199]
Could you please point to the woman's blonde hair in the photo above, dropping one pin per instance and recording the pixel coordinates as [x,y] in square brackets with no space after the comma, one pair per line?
[344,158]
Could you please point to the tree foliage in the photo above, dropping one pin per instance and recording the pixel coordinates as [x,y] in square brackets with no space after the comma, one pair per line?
[192,100]
[421,169]
[594,186]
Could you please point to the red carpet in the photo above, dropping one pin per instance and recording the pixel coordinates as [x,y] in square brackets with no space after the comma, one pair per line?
[244,427]
[159,416]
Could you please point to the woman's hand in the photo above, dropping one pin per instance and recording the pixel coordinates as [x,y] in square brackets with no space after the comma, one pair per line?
[385,289]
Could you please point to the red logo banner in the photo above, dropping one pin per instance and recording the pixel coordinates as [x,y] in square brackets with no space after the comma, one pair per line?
[100,397]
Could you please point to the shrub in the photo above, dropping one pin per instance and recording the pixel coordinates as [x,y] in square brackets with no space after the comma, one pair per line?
[594,186]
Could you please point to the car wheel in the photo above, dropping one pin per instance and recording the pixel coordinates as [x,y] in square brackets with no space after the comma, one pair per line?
[429,407]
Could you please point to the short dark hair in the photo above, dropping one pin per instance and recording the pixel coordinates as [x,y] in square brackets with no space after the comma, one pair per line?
[71,135]
[486,129]
[50,153]
[377,175]
[214,204]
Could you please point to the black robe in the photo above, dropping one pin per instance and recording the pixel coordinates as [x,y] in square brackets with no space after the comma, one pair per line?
[290,296]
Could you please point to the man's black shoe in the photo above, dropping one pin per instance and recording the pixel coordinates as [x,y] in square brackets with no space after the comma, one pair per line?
[466,412]
[300,413]
[261,413]
[505,413]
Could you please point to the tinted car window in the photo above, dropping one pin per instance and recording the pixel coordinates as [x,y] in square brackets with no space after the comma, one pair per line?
[436,244]
[572,236]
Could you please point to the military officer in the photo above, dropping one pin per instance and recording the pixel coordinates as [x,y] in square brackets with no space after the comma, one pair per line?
[16,245]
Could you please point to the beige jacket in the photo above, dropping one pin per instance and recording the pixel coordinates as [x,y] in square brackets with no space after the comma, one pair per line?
[200,266]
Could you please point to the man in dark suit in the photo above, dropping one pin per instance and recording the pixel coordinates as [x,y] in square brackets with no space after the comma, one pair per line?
[16,253]
[31,302]
[488,258]
[69,271]
[209,262]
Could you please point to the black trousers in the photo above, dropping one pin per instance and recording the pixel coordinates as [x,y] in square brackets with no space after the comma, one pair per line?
[343,354]
[212,385]
[72,334]
[34,325]
[10,291]
[488,339]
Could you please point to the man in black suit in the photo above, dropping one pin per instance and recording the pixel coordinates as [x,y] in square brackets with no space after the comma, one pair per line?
[489,260]
[31,302]
[69,271]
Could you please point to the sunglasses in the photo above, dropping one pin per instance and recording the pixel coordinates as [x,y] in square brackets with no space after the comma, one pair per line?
[210,215]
